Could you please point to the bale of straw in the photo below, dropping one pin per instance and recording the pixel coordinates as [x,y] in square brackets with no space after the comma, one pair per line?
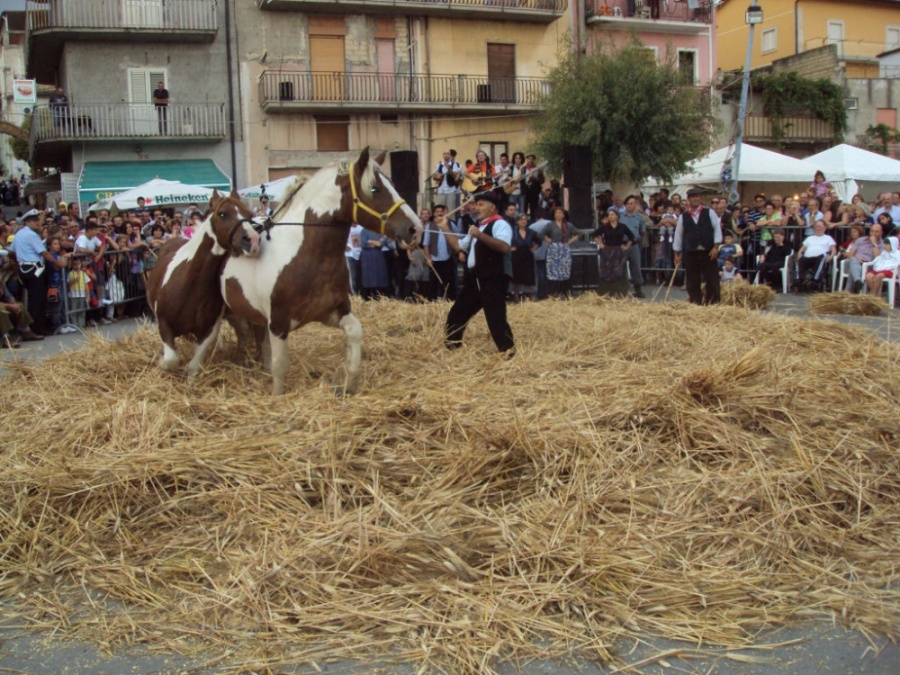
[739,294]
[847,303]
[634,469]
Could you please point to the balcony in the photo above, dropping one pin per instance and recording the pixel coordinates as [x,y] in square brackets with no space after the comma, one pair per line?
[650,16]
[285,92]
[50,23]
[536,11]
[53,131]
[759,129]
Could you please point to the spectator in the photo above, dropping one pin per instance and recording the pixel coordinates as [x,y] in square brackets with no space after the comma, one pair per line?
[161,101]
[860,250]
[194,221]
[560,233]
[773,260]
[417,275]
[15,321]
[885,264]
[373,269]
[887,223]
[80,279]
[729,273]
[634,221]
[886,205]
[59,108]
[56,285]
[613,241]
[814,255]
[439,257]
[770,220]
[263,209]
[810,215]
[728,249]
[820,187]
[665,236]
[523,245]
[352,253]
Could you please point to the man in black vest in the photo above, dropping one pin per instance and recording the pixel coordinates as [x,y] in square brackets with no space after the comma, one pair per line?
[697,238]
[488,271]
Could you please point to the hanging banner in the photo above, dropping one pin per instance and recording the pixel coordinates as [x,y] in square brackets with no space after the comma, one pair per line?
[25,91]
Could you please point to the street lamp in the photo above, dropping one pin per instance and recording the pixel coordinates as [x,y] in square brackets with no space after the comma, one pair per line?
[753,16]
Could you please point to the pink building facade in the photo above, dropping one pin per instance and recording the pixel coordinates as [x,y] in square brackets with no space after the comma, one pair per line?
[683,30]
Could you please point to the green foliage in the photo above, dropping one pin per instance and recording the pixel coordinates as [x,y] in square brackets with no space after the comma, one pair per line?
[20,146]
[637,116]
[783,91]
[881,136]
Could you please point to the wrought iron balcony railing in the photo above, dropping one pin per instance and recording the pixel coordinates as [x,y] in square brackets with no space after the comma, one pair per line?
[788,130]
[177,15]
[657,16]
[296,91]
[542,11]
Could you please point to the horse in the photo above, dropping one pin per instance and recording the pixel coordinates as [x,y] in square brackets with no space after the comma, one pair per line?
[301,274]
[183,286]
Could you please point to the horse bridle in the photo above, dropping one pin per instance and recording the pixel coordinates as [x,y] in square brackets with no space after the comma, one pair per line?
[357,203]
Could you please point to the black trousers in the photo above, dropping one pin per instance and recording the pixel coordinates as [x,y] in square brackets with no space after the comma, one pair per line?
[477,294]
[446,287]
[36,288]
[700,268]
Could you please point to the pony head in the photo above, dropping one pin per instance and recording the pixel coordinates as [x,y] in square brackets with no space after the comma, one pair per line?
[377,205]
[232,225]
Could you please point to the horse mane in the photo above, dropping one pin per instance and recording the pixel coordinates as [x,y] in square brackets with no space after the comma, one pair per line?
[298,183]
[366,181]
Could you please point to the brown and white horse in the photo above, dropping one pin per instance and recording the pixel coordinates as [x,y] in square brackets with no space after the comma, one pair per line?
[301,275]
[183,286]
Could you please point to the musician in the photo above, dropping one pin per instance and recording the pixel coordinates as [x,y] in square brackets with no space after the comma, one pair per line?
[446,178]
[502,174]
[478,174]
[516,190]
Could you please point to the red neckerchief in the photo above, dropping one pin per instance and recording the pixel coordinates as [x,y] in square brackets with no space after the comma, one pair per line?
[489,220]
[696,214]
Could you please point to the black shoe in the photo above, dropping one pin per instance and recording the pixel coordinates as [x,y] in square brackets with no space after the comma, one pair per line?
[9,342]
[31,336]
[857,286]
[638,293]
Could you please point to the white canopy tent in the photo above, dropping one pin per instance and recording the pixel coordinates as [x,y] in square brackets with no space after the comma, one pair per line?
[275,190]
[760,170]
[156,193]
[851,170]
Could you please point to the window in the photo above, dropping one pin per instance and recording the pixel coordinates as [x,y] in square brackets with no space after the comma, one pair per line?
[836,36]
[494,149]
[769,40]
[143,117]
[332,133]
[891,37]
[688,72]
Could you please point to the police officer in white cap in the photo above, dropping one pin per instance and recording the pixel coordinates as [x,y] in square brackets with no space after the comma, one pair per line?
[33,257]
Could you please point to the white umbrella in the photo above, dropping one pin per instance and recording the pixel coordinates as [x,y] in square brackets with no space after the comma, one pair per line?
[156,193]
[275,190]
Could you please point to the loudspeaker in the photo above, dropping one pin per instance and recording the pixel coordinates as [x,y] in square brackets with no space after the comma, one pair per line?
[581,214]
[577,161]
[405,175]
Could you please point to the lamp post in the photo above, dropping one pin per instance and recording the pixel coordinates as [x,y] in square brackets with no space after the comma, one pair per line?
[753,16]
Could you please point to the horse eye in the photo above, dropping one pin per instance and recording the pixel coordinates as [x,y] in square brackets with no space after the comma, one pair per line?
[374,190]
[221,214]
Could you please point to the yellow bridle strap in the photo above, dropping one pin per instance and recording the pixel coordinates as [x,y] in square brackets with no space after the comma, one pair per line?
[358,204]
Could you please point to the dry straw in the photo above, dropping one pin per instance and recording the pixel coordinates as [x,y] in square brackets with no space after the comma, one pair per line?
[745,295]
[695,473]
[847,303]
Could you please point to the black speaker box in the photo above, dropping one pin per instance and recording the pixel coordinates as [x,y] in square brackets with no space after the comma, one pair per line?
[581,213]
[577,161]
[405,175]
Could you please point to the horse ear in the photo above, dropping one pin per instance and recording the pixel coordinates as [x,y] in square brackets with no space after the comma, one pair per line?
[363,160]
[234,193]
[214,197]
[381,157]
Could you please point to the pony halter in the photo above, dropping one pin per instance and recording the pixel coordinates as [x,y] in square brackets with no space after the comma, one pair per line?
[359,204]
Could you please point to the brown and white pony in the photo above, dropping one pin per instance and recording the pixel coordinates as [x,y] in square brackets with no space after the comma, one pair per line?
[301,274]
[183,286]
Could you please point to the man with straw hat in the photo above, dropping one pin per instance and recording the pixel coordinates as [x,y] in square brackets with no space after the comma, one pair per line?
[488,271]
[697,238]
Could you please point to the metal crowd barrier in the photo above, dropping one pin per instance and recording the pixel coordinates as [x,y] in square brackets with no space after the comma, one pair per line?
[118,287]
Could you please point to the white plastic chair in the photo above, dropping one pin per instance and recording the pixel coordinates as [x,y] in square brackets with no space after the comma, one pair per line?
[892,284]
[617,11]
[785,273]
[840,274]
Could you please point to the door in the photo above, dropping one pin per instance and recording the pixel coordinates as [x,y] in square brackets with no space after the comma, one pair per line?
[326,65]
[836,35]
[142,13]
[501,69]
[386,70]
[142,118]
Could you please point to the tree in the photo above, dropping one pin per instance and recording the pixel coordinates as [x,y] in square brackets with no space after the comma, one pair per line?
[20,147]
[638,117]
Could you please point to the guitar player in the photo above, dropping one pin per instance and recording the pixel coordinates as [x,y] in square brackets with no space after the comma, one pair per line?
[446,181]
[478,175]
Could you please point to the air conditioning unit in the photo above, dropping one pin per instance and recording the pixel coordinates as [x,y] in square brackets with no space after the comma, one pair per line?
[851,103]
[483,93]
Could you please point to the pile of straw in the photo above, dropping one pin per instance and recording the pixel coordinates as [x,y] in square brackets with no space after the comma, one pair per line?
[739,294]
[847,303]
[635,469]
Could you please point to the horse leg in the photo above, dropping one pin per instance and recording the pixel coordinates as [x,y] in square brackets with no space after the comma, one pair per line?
[265,352]
[348,376]
[169,360]
[279,351]
[200,351]
[241,330]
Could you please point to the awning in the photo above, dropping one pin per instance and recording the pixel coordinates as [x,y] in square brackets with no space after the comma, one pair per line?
[41,186]
[101,180]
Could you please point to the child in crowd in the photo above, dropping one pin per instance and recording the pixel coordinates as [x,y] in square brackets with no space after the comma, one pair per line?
[729,250]
[417,277]
[56,305]
[663,247]
[729,273]
[81,278]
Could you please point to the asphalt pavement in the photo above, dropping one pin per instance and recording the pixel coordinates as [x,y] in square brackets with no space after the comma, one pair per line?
[820,647]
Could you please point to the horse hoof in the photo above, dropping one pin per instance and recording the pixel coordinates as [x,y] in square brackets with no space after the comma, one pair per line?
[169,366]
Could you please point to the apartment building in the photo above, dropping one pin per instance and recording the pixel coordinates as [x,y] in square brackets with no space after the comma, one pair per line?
[108,56]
